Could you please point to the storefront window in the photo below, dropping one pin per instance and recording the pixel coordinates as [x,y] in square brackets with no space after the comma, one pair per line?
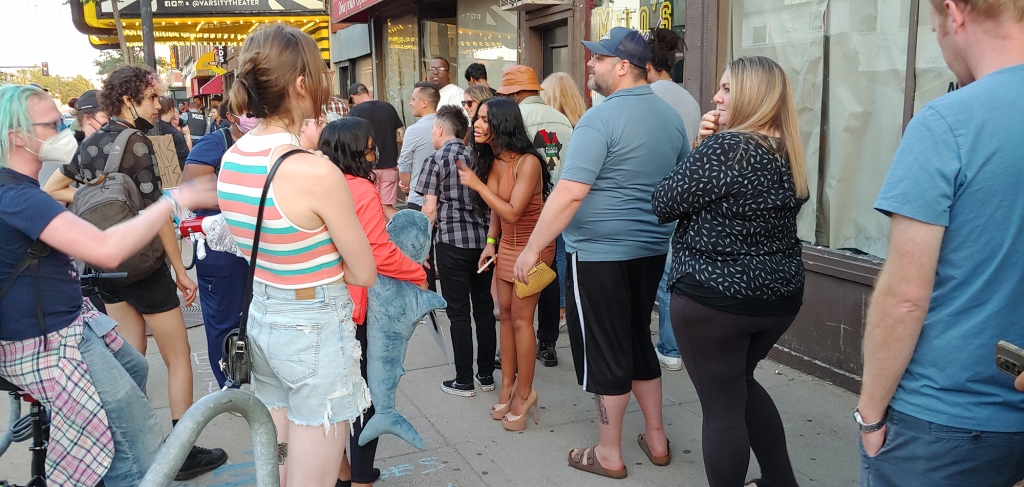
[439,41]
[641,15]
[400,64]
[486,35]
[934,78]
[794,37]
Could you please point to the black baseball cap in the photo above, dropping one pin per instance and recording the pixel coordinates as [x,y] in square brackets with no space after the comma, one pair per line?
[623,43]
[89,102]
[356,89]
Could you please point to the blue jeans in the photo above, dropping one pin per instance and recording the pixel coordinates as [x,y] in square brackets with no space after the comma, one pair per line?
[119,378]
[920,453]
[222,278]
[666,337]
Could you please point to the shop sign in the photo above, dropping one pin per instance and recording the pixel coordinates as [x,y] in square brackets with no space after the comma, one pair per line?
[198,8]
[174,57]
[343,9]
[207,65]
[636,14]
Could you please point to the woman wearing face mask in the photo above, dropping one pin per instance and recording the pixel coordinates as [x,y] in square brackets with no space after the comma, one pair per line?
[511,178]
[221,275]
[131,96]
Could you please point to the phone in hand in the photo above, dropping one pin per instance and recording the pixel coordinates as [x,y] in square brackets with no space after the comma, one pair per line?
[487,264]
[1010,358]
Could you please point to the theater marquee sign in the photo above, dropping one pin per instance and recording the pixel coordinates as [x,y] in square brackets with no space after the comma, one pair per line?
[197,8]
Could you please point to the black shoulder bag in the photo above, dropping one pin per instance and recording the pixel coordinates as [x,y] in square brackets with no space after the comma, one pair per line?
[236,361]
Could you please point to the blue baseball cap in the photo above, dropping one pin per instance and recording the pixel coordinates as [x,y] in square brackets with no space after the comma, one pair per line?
[623,43]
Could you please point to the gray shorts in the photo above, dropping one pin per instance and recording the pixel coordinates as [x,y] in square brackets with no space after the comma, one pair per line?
[305,356]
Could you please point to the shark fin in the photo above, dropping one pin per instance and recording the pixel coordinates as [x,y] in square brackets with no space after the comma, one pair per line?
[390,423]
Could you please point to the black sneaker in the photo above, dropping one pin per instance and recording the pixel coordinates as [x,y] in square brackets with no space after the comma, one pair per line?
[486,382]
[464,390]
[546,354]
[199,461]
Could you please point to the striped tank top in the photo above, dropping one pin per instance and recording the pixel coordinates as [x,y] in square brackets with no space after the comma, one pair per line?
[289,257]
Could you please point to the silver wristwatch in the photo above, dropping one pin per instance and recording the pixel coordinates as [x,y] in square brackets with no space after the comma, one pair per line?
[869,428]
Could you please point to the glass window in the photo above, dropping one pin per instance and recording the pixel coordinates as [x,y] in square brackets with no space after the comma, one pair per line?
[556,50]
[364,72]
[400,64]
[486,35]
[439,41]
[786,36]
[934,78]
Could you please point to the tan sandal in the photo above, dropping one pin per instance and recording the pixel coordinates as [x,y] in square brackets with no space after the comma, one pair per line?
[593,465]
[659,461]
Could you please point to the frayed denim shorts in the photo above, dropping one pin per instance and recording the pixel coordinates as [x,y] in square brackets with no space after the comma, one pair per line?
[305,356]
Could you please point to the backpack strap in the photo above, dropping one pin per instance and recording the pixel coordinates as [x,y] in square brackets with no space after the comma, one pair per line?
[120,145]
[256,241]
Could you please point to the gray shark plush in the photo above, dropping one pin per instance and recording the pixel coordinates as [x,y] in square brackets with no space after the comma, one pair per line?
[392,313]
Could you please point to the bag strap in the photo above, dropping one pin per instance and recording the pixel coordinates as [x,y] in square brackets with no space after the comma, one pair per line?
[243,322]
[120,145]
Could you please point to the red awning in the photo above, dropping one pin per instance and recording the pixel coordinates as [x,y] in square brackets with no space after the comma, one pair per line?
[353,11]
[214,87]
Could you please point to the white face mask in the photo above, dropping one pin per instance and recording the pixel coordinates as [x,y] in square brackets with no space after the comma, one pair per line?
[60,148]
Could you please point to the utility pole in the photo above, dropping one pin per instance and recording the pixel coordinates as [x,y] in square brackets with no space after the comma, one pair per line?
[148,48]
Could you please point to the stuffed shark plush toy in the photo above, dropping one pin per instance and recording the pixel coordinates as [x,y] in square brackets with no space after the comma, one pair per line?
[393,311]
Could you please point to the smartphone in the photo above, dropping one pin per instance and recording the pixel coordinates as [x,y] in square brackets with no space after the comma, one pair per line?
[1010,358]
[486,264]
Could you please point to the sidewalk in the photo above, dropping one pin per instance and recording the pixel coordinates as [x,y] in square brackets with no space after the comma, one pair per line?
[465,447]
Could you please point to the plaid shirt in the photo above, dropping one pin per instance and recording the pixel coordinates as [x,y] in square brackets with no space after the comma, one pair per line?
[81,447]
[337,107]
[457,223]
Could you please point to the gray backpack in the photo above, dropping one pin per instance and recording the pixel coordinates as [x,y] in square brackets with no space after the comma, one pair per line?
[112,198]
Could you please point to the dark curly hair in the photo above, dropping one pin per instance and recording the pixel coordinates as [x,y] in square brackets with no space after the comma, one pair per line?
[130,81]
[508,133]
[665,43]
[344,142]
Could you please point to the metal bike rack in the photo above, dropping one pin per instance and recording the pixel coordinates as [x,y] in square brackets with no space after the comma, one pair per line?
[184,435]
[13,416]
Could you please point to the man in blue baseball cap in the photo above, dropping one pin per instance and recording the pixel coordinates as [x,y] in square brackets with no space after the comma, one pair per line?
[620,150]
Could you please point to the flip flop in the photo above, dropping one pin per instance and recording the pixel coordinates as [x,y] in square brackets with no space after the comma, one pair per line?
[593,465]
[659,461]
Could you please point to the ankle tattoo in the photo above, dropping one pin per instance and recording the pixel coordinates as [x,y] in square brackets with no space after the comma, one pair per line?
[282,453]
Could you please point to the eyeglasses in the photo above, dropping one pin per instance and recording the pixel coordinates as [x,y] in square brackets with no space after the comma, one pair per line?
[319,122]
[468,103]
[57,125]
[437,70]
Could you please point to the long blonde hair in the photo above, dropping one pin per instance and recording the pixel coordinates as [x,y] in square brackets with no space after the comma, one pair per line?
[561,93]
[762,99]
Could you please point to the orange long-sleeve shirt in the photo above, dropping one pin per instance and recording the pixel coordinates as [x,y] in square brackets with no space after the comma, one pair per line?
[390,260]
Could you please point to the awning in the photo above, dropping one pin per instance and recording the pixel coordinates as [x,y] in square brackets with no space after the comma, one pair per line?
[352,11]
[214,87]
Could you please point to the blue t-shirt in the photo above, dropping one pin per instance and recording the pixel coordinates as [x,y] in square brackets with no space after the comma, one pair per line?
[25,211]
[961,165]
[622,148]
[208,151]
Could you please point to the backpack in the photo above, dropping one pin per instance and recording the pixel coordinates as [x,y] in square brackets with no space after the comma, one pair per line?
[111,199]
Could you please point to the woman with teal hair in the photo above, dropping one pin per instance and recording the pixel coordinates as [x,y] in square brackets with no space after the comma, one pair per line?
[59,349]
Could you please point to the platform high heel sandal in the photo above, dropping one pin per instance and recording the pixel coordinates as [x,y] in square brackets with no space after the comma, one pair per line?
[518,423]
[499,410]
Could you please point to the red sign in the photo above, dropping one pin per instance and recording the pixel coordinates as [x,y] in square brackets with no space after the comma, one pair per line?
[351,10]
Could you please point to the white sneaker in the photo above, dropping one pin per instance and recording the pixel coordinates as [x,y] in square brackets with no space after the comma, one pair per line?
[669,363]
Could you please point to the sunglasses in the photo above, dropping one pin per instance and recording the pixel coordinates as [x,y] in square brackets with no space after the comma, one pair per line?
[468,103]
[57,125]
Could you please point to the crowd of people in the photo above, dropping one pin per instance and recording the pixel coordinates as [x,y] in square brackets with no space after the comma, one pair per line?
[637,203]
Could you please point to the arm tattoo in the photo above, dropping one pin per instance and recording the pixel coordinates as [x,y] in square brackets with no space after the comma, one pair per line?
[602,412]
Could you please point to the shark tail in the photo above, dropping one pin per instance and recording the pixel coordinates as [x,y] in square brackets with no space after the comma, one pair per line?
[390,423]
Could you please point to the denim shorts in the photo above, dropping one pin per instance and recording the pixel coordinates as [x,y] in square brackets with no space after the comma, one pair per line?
[921,453]
[305,356]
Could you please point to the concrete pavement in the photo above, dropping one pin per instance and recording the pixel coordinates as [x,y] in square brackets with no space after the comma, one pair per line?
[465,447]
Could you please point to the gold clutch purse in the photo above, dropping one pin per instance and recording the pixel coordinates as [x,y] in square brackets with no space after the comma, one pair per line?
[540,276]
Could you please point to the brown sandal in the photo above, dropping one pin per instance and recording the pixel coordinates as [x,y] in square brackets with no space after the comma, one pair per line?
[593,465]
[659,461]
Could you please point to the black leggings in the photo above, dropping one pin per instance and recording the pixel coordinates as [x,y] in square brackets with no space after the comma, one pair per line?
[361,457]
[720,351]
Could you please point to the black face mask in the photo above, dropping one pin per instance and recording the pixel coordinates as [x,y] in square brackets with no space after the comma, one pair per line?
[141,123]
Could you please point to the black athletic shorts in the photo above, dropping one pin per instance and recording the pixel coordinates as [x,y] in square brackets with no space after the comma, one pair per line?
[151,295]
[608,311]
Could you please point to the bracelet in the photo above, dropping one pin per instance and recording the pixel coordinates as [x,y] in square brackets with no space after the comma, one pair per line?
[174,203]
[491,239]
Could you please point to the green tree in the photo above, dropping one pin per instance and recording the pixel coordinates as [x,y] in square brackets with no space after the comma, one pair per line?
[108,61]
[64,87]
[125,51]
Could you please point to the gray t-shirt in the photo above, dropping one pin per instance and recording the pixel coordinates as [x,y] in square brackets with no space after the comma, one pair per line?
[416,147]
[622,148]
[683,102]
